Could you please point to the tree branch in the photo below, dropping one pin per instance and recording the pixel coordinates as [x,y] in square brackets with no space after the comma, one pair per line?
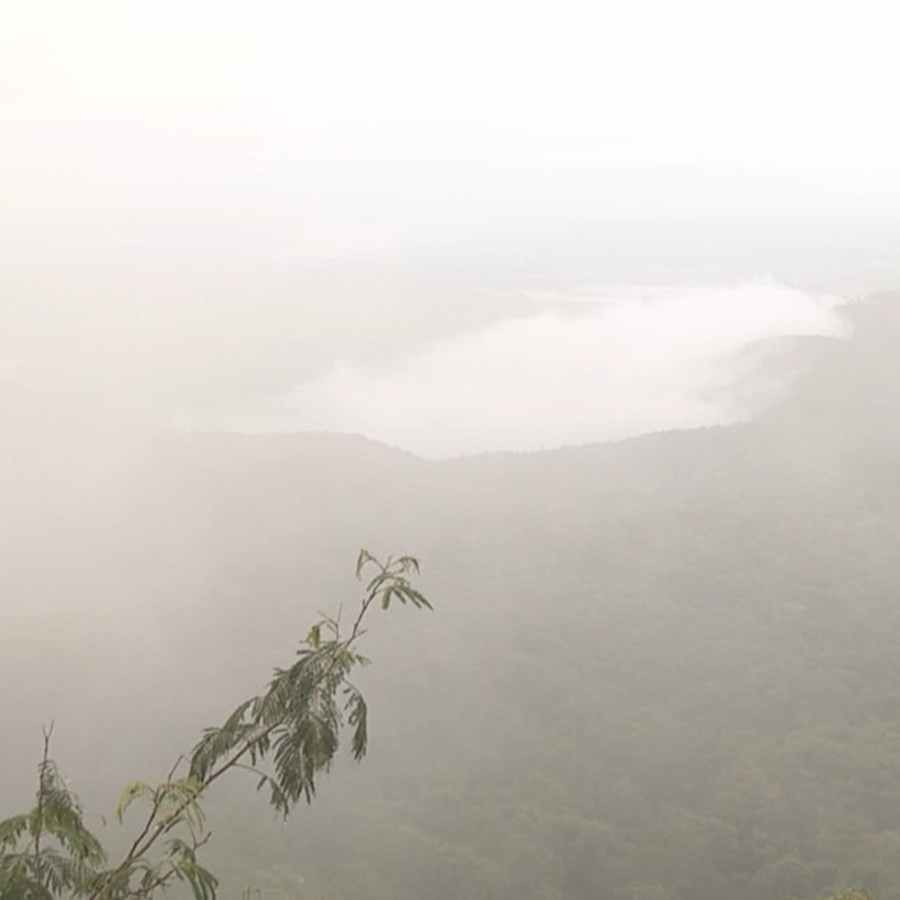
[42,793]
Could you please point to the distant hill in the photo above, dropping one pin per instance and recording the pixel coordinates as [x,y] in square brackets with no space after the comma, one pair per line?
[661,668]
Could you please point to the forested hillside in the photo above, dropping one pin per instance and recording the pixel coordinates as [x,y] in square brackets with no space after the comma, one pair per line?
[663,669]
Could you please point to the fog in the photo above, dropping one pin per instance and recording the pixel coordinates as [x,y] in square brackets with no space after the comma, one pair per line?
[214,220]
[593,309]
[593,367]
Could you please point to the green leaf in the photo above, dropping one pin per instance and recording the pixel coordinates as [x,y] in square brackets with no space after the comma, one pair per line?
[363,560]
[132,792]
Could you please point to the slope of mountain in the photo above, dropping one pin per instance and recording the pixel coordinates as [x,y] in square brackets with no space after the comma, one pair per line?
[663,668]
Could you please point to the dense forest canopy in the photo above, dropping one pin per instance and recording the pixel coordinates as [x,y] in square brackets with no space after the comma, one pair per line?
[664,669]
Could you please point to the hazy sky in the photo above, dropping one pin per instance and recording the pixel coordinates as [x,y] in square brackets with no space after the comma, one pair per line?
[791,86]
[118,115]
[209,207]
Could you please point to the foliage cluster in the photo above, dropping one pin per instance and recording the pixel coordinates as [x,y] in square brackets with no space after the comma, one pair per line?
[286,736]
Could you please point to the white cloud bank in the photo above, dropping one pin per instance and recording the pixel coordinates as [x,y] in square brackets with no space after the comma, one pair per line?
[612,365]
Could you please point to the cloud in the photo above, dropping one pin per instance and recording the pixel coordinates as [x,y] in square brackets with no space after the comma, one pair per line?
[592,367]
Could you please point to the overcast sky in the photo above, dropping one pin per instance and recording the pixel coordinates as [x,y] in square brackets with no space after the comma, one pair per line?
[209,206]
[202,107]
[799,86]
